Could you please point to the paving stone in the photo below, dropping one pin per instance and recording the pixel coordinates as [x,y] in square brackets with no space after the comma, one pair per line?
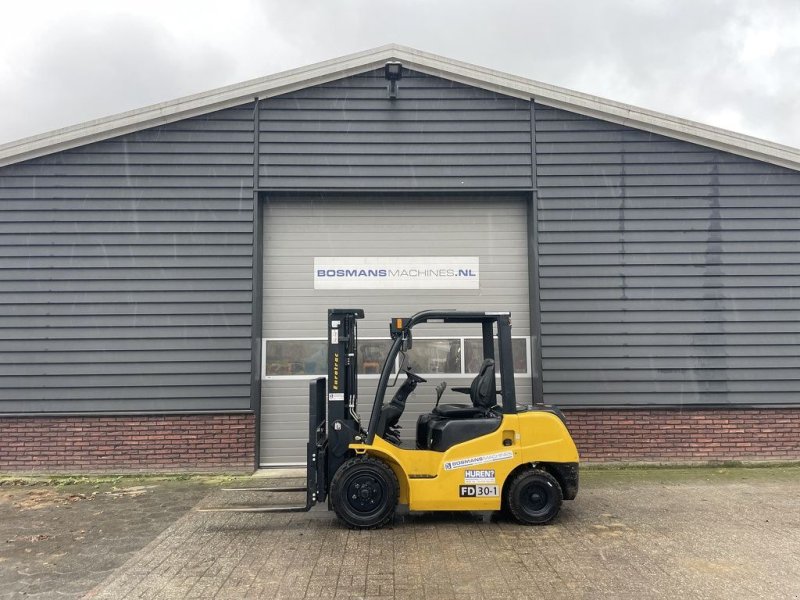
[60,541]
[698,533]
[647,534]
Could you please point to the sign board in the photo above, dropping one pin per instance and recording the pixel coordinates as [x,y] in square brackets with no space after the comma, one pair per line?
[397,273]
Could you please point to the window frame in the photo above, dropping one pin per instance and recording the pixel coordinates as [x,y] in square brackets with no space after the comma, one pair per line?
[462,338]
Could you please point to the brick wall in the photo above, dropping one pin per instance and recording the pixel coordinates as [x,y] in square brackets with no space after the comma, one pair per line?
[127,444]
[226,442]
[688,435]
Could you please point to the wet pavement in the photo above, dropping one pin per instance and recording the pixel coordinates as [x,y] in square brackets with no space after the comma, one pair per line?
[636,533]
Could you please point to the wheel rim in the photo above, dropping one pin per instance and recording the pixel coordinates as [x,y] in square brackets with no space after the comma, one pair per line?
[365,493]
[536,498]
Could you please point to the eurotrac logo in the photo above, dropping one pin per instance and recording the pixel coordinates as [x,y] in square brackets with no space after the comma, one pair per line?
[447,272]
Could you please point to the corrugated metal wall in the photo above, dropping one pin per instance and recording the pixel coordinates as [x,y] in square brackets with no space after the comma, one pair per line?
[436,134]
[125,272]
[670,273]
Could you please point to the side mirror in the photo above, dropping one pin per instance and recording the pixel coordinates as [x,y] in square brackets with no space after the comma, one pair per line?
[406,345]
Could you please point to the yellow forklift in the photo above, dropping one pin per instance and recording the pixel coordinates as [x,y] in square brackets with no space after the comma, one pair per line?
[486,454]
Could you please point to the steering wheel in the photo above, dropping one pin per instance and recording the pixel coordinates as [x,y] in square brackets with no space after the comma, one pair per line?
[414,377]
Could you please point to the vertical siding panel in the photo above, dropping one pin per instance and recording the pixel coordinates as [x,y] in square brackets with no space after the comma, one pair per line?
[348,134]
[125,272]
[667,269]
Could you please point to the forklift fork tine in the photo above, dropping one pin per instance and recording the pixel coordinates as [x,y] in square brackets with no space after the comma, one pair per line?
[257,509]
[266,489]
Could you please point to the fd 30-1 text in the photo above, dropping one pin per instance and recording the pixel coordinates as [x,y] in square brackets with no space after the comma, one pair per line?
[477,491]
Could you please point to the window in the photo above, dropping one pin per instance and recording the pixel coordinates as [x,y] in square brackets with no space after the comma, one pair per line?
[371,354]
[295,357]
[458,356]
[441,355]
[309,357]
[473,354]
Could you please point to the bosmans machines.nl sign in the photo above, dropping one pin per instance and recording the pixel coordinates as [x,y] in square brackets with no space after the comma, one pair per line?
[396,273]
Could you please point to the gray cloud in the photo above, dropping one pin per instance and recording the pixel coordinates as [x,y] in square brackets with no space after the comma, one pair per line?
[730,63]
[86,72]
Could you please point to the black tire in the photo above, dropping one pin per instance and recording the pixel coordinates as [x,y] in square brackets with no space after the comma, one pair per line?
[504,511]
[364,492]
[534,497]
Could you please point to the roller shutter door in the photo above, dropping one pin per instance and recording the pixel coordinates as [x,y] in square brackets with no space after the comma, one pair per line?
[298,229]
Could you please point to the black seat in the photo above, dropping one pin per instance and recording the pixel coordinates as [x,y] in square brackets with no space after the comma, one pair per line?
[482,392]
[450,424]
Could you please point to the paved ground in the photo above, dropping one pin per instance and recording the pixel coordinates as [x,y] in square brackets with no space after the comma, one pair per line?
[695,533]
[59,541]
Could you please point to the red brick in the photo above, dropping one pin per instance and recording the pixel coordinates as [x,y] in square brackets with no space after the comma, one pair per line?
[226,442]
[609,435]
[126,444]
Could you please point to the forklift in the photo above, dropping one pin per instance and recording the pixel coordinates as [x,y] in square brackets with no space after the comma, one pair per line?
[487,454]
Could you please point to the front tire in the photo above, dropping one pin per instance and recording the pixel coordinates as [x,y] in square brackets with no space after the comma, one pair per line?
[534,497]
[364,493]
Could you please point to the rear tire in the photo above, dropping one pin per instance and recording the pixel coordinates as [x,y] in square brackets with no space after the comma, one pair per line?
[534,497]
[364,493]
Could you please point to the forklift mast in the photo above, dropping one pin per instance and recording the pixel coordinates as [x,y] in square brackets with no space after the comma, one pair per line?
[333,410]
[342,366]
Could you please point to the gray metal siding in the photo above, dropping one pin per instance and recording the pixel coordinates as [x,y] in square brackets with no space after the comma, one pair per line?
[669,273]
[436,134]
[298,229]
[126,272]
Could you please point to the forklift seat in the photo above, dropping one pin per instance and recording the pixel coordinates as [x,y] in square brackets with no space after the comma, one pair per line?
[482,392]
[450,424]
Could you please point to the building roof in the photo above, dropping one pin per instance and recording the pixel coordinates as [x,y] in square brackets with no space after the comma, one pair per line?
[431,64]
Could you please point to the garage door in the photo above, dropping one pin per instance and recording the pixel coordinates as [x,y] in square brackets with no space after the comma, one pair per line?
[488,231]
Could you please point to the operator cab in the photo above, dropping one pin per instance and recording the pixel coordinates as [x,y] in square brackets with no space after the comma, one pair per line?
[446,424]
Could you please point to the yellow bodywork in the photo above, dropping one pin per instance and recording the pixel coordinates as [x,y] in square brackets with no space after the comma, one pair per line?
[433,480]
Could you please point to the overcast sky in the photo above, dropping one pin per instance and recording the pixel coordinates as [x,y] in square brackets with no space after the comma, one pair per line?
[730,63]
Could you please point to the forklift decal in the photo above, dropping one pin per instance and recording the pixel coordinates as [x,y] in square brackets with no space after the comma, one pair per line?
[335,373]
[477,491]
[479,476]
[478,460]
